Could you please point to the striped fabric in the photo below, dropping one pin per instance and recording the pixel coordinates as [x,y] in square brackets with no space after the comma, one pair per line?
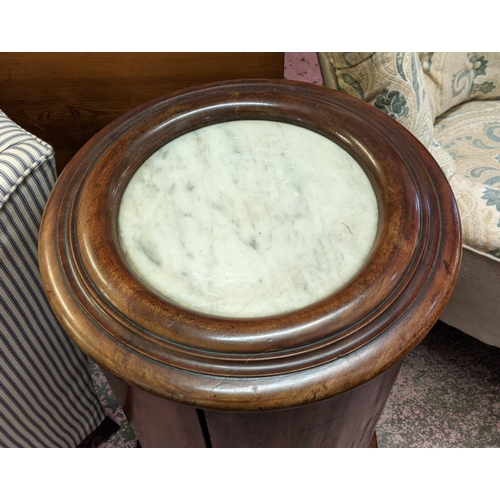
[46,394]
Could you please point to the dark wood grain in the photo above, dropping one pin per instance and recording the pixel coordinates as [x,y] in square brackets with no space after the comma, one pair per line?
[252,365]
[66,98]
[344,421]
[373,441]
[158,422]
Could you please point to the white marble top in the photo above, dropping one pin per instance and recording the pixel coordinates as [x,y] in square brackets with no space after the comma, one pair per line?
[248,219]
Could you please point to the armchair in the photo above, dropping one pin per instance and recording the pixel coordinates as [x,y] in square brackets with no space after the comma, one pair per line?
[450,102]
[46,394]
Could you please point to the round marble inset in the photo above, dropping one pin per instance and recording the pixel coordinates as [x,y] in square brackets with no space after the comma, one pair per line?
[248,218]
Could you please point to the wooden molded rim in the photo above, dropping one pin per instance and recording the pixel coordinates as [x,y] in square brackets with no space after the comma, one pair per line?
[289,359]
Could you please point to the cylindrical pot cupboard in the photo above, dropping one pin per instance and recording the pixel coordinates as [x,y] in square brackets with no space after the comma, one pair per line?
[250,262]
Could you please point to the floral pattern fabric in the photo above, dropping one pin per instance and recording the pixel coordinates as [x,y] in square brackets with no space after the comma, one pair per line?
[450,102]
[470,134]
[391,81]
[453,78]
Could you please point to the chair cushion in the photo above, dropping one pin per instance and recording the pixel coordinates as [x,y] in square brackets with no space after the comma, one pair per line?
[21,154]
[452,78]
[393,82]
[470,134]
[46,394]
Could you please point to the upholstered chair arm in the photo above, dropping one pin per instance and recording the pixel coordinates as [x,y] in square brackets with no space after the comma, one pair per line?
[393,82]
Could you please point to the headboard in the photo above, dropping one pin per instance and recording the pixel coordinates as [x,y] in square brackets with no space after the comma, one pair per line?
[65,98]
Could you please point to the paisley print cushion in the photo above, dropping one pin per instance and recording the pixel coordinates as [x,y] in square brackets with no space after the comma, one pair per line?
[392,81]
[470,134]
[456,77]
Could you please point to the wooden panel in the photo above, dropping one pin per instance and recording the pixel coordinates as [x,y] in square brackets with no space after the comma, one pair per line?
[65,98]
[345,421]
[157,422]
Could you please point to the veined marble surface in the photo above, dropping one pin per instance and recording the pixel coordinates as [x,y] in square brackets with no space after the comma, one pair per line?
[248,219]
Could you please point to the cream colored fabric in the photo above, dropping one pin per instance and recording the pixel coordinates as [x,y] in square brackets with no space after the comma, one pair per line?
[452,78]
[392,81]
[474,304]
[470,134]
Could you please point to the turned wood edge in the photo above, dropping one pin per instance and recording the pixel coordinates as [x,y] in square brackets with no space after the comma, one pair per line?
[128,330]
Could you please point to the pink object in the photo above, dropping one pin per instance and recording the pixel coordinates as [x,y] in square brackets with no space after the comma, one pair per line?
[303,66]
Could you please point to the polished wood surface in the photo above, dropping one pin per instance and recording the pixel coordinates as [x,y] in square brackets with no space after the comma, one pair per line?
[344,421]
[282,362]
[66,98]
[158,422]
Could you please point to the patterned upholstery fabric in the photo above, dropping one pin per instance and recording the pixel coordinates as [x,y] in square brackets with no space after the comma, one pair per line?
[46,394]
[437,96]
[392,82]
[470,133]
[453,78]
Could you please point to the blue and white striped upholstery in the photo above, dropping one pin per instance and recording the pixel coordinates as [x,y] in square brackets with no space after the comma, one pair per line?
[46,394]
